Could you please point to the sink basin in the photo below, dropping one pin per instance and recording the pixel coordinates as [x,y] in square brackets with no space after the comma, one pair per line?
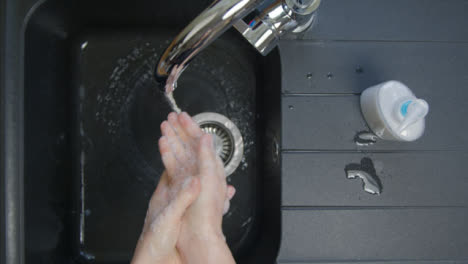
[92,116]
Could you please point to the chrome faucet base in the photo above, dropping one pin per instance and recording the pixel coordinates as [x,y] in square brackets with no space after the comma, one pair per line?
[264,31]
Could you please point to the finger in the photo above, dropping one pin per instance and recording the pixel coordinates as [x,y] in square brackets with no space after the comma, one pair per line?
[176,126]
[184,198]
[227,204]
[160,193]
[231,191]
[206,156]
[167,156]
[173,140]
[220,167]
[191,128]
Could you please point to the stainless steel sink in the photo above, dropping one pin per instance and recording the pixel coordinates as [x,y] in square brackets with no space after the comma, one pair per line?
[92,116]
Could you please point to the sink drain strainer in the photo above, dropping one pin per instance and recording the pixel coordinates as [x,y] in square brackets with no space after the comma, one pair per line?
[227,138]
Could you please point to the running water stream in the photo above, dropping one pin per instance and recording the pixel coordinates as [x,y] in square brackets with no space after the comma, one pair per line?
[170,98]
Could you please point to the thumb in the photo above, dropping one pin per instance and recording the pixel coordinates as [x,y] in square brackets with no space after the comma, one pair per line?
[186,196]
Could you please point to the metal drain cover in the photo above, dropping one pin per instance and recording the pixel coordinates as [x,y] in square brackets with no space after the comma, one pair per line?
[222,141]
[227,138]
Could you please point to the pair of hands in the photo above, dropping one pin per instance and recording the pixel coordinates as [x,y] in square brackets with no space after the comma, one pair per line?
[183,221]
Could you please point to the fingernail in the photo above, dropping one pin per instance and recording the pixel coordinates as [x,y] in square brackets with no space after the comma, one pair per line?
[233,192]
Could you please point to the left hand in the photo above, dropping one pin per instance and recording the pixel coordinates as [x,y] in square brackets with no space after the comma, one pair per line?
[163,221]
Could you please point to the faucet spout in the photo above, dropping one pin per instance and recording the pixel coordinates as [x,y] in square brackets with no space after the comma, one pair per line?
[275,18]
[203,30]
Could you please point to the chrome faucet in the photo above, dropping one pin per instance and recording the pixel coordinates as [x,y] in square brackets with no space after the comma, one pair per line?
[268,20]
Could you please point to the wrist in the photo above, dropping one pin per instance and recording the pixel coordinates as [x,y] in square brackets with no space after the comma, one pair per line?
[203,230]
[206,249]
[203,237]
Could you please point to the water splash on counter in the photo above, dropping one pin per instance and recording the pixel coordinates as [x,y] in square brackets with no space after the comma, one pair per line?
[367,173]
[365,138]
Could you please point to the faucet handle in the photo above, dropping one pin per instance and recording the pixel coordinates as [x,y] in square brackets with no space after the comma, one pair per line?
[259,34]
[282,16]
[303,7]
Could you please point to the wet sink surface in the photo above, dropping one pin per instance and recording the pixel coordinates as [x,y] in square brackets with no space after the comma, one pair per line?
[96,113]
[119,114]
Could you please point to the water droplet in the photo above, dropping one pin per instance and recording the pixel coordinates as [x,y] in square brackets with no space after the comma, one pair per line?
[84,45]
[87,256]
[246,222]
[365,138]
[309,75]
[61,137]
[359,70]
[329,75]
[291,107]
[366,172]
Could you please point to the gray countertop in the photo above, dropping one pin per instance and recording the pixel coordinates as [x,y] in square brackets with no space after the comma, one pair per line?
[421,215]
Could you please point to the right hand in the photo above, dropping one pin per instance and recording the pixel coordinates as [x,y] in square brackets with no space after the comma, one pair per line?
[186,150]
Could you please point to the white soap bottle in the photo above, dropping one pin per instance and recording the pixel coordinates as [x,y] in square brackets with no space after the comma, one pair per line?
[393,112]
